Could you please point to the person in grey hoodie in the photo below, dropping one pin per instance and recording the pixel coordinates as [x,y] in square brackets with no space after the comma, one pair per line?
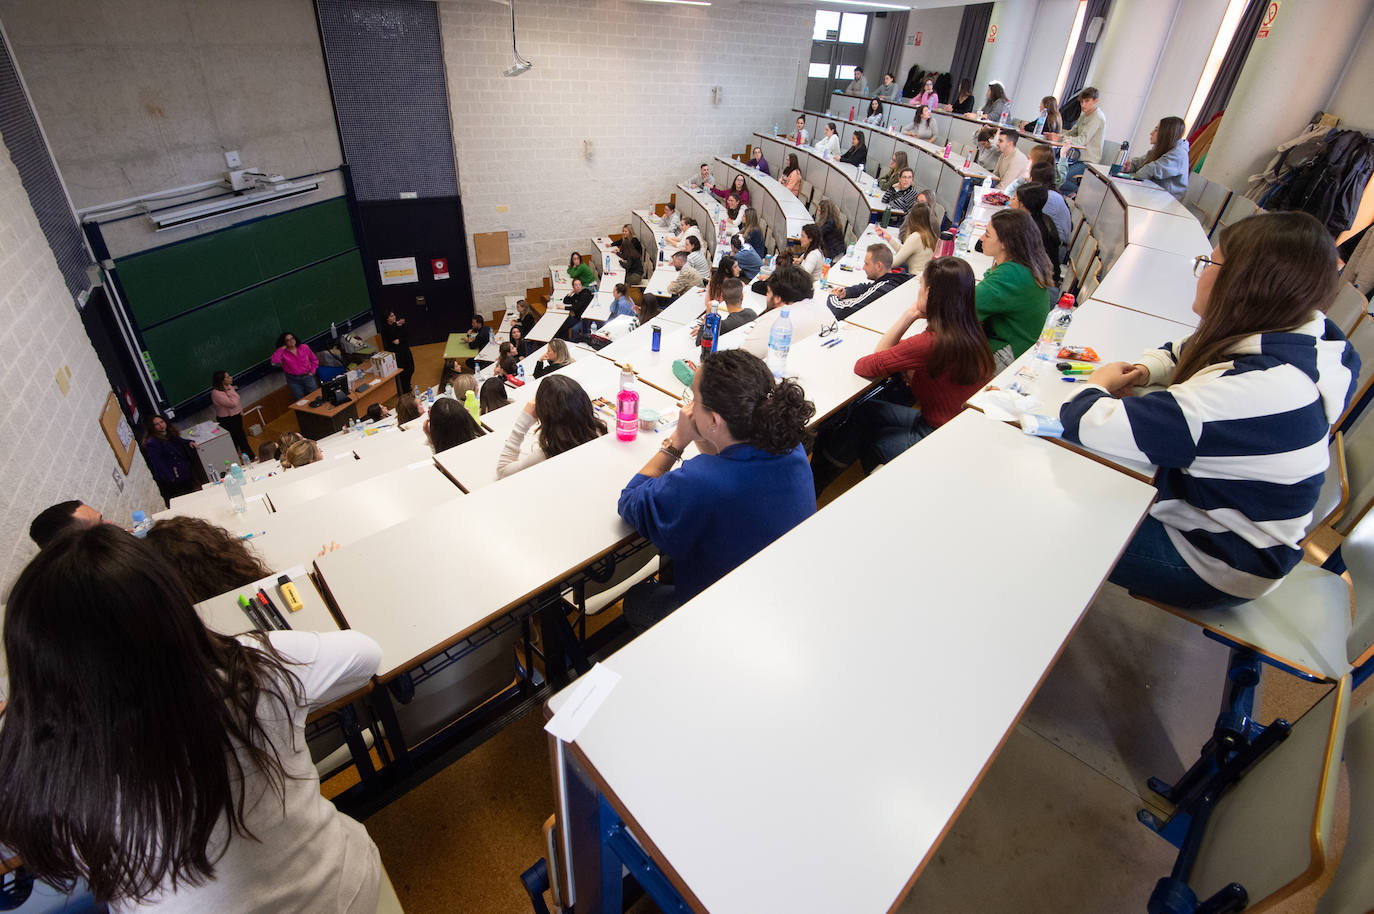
[1166,164]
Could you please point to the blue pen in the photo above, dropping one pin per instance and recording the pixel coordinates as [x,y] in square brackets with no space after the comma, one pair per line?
[1073,380]
[249,536]
[832,343]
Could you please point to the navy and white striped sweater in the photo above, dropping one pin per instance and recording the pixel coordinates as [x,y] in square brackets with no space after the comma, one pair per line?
[1241,447]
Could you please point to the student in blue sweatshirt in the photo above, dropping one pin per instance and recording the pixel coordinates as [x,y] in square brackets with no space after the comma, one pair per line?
[1239,431]
[750,484]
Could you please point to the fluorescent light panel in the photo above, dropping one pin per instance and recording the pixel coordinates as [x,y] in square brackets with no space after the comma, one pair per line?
[207,209]
[1074,32]
[885,6]
[682,2]
[1229,23]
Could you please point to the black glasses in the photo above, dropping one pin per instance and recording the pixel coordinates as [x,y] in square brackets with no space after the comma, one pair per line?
[1201,262]
[833,328]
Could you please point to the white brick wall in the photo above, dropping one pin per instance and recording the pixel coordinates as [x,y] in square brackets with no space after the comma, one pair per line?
[635,78]
[51,446]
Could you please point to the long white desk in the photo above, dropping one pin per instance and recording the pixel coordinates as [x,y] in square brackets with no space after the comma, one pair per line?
[779,760]
[948,126]
[598,377]
[1140,193]
[1151,281]
[1166,232]
[775,204]
[223,613]
[406,448]
[701,206]
[410,590]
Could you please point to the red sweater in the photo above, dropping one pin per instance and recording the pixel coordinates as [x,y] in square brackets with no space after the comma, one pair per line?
[939,398]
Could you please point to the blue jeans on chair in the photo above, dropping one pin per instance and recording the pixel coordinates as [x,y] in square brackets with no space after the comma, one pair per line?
[1152,568]
[1075,170]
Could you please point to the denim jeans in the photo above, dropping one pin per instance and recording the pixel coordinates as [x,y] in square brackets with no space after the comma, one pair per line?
[300,385]
[1151,567]
[875,432]
[1070,186]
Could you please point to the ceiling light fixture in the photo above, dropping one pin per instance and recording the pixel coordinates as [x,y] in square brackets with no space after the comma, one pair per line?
[885,6]
[519,64]
[682,2]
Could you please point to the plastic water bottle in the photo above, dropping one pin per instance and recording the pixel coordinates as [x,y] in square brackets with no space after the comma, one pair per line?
[987,187]
[780,343]
[472,406]
[627,407]
[825,274]
[775,129]
[245,459]
[949,147]
[963,242]
[141,524]
[237,472]
[1046,349]
[660,250]
[520,371]
[1002,121]
[851,114]
[608,263]
[710,330]
[234,488]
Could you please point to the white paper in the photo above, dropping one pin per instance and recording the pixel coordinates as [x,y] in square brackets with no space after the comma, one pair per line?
[586,697]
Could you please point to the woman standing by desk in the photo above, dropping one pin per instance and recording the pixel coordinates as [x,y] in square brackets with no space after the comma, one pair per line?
[170,457]
[193,789]
[397,339]
[298,363]
[228,410]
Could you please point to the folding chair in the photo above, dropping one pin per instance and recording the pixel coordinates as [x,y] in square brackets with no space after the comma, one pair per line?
[1090,282]
[1236,209]
[1361,337]
[1347,307]
[1352,891]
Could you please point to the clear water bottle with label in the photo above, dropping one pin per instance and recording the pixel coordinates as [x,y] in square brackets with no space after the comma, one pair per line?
[963,242]
[710,330]
[780,343]
[237,472]
[234,489]
[1046,348]
[142,524]
[660,250]
[627,407]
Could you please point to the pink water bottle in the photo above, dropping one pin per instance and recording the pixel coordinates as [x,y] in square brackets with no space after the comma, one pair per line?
[949,147]
[627,407]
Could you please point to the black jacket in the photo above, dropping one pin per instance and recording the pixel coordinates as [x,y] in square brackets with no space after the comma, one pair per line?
[832,240]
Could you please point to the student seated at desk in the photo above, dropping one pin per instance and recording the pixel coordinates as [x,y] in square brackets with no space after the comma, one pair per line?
[449,424]
[270,451]
[881,280]
[695,259]
[576,302]
[914,245]
[737,188]
[555,357]
[857,153]
[963,101]
[1056,207]
[750,484]
[286,440]
[1166,164]
[1032,198]
[858,85]
[301,453]
[927,97]
[566,419]
[751,230]
[922,126]
[679,241]
[812,257]
[749,260]
[790,287]
[407,408]
[60,518]
[377,412]
[621,302]
[208,559]
[757,160]
[631,252]
[1012,301]
[793,164]
[171,458]
[832,236]
[669,220]
[687,278]
[801,136]
[579,270]
[478,337]
[894,170]
[1012,164]
[1240,430]
[874,115]
[901,196]
[997,103]
[732,303]
[986,154]
[521,346]
[734,213]
[828,146]
[193,788]
[702,180]
[525,317]
[788,257]
[942,368]
[493,395]
[1086,136]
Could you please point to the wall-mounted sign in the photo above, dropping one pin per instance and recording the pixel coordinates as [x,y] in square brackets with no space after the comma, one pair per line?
[1267,23]
[398,271]
[992,34]
[917,40]
[440,267]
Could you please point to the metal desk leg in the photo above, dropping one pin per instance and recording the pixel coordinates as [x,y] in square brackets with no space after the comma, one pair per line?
[617,848]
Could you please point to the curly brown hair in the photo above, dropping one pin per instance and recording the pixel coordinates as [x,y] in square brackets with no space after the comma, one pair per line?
[209,559]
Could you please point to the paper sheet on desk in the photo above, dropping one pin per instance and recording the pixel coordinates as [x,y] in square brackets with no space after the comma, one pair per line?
[587,695]
[1005,406]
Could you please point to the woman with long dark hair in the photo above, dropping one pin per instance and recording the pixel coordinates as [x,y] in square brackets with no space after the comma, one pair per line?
[209,559]
[1052,123]
[749,485]
[737,187]
[963,100]
[1012,301]
[1032,198]
[874,115]
[449,424]
[1240,430]
[298,362]
[922,127]
[728,268]
[857,153]
[832,236]
[997,102]
[942,368]
[1166,163]
[916,240]
[161,763]
[912,85]
[493,395]
[566,419]
[171,458]
[894,170]
[812,257]
[224,396]
[579,270]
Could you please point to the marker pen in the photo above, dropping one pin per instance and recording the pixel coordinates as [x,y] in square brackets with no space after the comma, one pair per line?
[269,610]
[254,615]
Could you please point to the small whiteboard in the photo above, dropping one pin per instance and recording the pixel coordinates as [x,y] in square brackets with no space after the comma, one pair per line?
[118,432]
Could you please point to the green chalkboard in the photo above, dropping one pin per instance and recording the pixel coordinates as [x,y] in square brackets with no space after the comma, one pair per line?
[220,300]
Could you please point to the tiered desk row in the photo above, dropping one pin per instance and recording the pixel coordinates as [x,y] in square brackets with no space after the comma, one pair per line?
[756,732]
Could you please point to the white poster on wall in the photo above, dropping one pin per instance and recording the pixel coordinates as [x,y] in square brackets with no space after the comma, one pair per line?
[398,270]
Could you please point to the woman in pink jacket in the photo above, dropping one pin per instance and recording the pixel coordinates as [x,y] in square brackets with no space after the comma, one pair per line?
[299,363]
[228,410]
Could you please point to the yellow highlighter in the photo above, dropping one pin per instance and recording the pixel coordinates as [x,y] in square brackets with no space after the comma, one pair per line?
[289,594]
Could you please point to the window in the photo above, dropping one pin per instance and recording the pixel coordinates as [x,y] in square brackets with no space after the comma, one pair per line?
[818,71]
[845,72]
[826,21]
[853,28]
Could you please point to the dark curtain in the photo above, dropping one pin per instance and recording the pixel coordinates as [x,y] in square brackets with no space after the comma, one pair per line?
[1083,55]
[968,50]
[1233,62]
[892,53]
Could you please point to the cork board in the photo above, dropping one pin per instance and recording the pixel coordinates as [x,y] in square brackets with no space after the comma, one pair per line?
[493,248]
[118,432]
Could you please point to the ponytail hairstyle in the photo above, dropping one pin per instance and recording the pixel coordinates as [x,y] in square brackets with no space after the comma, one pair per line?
[1276,269]
[1167,135]
[1033,196]
[961,353]
[757,410]
[1020,239]
[1053,122]
[565,414]
[131,727]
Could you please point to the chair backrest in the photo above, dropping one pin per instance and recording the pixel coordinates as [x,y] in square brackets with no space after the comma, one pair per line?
[1357,551]
[1236,209]
[1335,492]
[1270,830]
[1347,308]
[1210,204]
[1081,260]
[1088,284]
[1196,184]
[1362,338]
[1352,891]
[1109,150]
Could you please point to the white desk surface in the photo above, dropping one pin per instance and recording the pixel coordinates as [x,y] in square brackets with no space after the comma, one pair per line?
[433,605]
[377,456]
[1153,282]
[793,210]
[650,221]
[662,278]
[1117,335]
[656,368]
[868,189]
[1165,232]
[599,377]
[223,613]
[213,506]
[685,310]
[548,325]
[600,307]
[752,731]
[1145,194]
[827,373]
[508,315]
[349,513]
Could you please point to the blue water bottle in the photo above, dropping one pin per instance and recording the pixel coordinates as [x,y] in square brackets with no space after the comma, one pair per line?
[657,338]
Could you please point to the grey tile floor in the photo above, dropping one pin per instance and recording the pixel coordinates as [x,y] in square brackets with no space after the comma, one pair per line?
[1052,826]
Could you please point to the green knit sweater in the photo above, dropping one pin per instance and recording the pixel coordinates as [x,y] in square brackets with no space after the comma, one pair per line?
[1011,306]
